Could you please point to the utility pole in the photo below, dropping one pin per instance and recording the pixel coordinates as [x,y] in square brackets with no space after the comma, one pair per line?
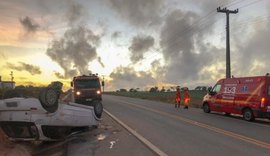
[228,57]
[11,75]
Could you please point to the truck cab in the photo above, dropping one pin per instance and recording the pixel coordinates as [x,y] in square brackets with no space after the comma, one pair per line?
[86,89]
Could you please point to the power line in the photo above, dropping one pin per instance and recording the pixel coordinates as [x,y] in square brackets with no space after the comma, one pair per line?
[234,3]
[250,4]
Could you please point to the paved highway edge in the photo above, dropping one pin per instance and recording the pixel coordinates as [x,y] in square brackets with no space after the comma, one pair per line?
[138,136]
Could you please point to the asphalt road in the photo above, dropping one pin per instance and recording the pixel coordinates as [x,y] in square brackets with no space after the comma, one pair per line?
[109,139]
[172,131]
[190,132]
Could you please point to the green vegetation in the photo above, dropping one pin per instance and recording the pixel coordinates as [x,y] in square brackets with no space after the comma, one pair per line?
[168,97]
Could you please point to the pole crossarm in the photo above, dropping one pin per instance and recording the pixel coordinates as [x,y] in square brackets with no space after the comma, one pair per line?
[225,10]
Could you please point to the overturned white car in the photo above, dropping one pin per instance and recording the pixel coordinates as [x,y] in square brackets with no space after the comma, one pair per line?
[46,117]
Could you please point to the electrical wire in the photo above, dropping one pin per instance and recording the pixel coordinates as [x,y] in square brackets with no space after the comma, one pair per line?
[249,4]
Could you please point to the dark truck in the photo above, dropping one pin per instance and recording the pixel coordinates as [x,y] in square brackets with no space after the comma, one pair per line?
[87,91]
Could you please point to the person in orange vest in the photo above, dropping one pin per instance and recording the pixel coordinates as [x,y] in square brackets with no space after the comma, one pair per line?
[186,98]
[177,97]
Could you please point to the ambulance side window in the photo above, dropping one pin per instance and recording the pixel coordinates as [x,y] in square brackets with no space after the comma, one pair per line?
[269,90]
[217,88]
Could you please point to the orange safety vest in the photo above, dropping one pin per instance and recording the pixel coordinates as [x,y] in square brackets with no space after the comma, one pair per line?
[186,97]
[178,96]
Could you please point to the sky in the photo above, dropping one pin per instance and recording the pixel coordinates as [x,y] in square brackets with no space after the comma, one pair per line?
[132,43]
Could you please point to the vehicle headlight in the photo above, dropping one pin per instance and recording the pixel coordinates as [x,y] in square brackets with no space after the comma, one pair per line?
[78,93]
[98,91]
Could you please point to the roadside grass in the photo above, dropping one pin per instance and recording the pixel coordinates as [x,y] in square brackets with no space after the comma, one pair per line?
[167,97]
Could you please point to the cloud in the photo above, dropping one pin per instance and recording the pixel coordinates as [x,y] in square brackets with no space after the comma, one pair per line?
[191,58]
[138,12]
[158,71]
[100,62]
[59,75]
[75,14]
[124,77]
[74,51]
[140,44]
[253,55]
[32,69]
[2,55]
[15,51]
[185,52]
[29,25]
[116,34]
[77,47]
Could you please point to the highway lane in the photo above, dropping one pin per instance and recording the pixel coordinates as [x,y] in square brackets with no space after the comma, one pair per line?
[190,132]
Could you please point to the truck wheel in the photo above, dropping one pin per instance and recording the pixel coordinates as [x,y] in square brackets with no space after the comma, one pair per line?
[98,108]
[248,114]
[49,99]
[206,108]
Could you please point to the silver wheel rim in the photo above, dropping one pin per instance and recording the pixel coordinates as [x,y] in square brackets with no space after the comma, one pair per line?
[51,97]
[206,108]
[247,115]
[98,108]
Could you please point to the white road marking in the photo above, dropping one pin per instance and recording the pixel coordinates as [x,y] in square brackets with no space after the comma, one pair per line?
[137,135]
[112,143]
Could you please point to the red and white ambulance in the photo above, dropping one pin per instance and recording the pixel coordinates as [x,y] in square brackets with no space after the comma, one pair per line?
[247,96]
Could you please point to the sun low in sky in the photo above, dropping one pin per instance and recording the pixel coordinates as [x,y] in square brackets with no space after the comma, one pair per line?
[132,43]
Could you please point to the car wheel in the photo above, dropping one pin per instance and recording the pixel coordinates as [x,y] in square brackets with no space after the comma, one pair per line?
[49,99]
[248,115]
[206,108]
[98,108]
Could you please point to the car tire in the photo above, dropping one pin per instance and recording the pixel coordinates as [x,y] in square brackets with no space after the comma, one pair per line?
[49,99]
[248,115]
[98,108]
[206,108]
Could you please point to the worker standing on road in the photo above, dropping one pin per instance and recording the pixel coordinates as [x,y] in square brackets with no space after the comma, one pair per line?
[186,98]
[177,97]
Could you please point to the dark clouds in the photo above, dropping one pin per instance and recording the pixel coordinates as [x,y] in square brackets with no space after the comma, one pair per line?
[124,77]
[59,75]
[74,50]
[174,40]
[192,57]
[138,12]
[75,13]
[77,47]
[183,48]
[158,70]
[140,44]
[32,69]
[255,52]
[29,25]
[100,62]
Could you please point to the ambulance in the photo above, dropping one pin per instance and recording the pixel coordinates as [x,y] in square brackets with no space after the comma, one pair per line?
[247,96]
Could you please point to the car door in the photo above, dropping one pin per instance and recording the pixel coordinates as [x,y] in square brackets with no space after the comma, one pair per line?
[215,98]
